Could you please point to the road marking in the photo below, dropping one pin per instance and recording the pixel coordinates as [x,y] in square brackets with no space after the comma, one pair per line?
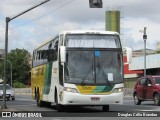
[152,110]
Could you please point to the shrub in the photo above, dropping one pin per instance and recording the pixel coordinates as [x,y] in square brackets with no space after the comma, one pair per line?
[17,84]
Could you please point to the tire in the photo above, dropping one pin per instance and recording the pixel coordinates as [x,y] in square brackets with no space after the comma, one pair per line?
[105,108]
[35,94]
[39,102]
[13,98]
[137,101]
[48,104]
[59,108]
[157,99]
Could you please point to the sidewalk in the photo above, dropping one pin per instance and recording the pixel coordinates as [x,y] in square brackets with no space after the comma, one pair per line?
[9,109]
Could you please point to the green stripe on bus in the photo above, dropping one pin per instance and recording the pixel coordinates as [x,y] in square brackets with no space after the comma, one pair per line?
[103,88]
[48,74]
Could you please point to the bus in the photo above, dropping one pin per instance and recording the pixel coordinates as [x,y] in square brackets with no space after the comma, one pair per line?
[82,67]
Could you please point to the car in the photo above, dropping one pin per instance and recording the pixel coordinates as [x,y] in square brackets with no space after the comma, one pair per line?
[9,92]
[147,89]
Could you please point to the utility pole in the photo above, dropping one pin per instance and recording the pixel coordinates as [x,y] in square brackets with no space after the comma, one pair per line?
[144,38]
[8,19]
[11,71]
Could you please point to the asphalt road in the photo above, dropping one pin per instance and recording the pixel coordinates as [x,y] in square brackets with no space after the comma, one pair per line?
[25,103]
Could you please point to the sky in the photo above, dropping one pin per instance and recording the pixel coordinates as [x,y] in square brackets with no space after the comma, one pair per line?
[41,24]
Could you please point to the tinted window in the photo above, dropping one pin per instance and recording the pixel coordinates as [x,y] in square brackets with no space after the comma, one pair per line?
[142,81]
[148,81]
[92,41]
[46,53]
[7,87]
[156,80]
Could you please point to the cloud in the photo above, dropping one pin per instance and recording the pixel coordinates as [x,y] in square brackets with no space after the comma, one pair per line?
[148,9]
[134,37]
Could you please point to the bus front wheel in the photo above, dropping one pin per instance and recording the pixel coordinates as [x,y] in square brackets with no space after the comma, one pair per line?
[59,108]
[105,108]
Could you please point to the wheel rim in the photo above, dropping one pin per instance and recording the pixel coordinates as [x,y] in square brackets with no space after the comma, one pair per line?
[135,99]
[156,99]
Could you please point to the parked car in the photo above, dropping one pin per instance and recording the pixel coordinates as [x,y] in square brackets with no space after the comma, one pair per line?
[9,92]
[147,89]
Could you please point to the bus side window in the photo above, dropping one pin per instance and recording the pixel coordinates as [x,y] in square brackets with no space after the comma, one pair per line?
[50,52]
[56,46]
[33,59]
[61,40]
[55,50]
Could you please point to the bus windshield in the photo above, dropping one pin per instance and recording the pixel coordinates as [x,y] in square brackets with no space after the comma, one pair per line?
[93,67]
[92,41]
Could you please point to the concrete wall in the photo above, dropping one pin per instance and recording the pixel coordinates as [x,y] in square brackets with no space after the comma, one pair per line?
[22,91]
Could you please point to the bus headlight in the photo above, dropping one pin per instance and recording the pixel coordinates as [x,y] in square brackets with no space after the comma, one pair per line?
[116,90]
[68,89]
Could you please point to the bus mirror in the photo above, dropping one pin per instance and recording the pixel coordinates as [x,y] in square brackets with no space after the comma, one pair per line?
[63,54]
[129,54]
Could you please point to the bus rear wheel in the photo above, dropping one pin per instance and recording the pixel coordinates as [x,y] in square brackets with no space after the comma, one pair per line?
[105,108]
[39,102]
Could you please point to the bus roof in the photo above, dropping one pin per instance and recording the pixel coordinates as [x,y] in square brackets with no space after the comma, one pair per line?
[88,32]
[80,32]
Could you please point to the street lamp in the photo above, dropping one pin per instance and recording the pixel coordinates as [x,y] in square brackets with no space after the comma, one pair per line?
[8,19]
[144,38]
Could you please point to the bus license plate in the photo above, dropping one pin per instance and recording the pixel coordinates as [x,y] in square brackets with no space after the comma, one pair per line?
[95,99]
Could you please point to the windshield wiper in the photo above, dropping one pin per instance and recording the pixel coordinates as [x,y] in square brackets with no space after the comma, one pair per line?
[104,74]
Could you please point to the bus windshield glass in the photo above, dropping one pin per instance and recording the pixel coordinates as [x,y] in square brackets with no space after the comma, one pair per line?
[92,41]
[93,67]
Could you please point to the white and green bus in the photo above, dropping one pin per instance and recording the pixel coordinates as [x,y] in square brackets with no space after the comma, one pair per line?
[79,68]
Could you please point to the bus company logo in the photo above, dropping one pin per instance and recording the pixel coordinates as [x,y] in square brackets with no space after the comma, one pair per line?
[6,114]
[87,88]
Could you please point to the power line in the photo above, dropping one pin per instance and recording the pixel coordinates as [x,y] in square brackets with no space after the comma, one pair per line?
[16,13]
[44,14]
[60,7]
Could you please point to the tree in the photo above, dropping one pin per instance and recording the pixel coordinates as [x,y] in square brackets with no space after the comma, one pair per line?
[1,68]
[21,65]
[158,51]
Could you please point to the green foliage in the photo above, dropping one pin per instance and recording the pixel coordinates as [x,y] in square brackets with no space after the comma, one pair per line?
[21,66]
[17,84]
[158,51]
[1,69]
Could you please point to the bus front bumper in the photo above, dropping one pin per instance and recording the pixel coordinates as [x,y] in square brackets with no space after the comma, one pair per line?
[69,98]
